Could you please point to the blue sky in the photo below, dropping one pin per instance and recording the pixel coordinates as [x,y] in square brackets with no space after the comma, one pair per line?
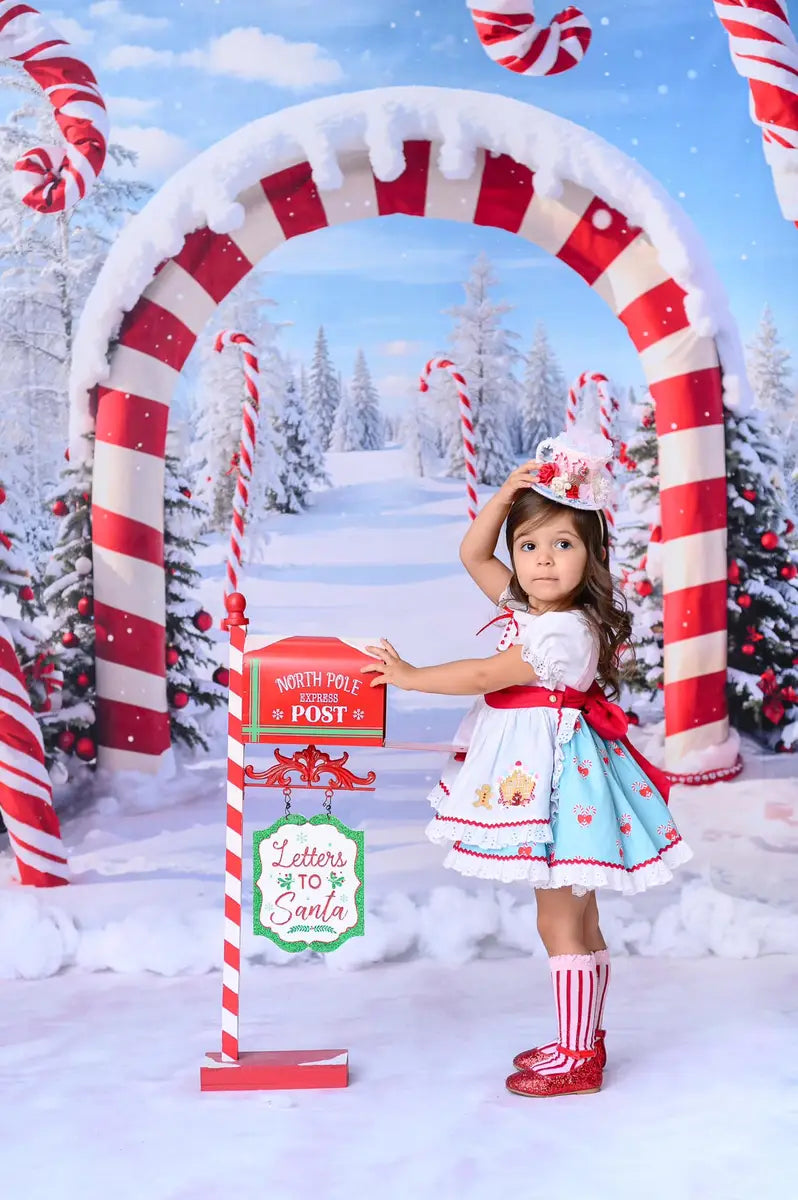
[657,82]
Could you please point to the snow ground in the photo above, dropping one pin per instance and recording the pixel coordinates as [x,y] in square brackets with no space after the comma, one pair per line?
[110,988]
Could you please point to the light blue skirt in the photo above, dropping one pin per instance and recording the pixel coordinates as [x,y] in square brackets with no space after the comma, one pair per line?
[610,827]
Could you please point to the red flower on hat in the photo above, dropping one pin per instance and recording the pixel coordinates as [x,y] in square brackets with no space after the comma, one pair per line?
[547,472]
[572,493]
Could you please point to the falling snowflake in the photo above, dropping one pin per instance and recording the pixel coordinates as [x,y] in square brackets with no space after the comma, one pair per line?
[277,714]
[358,714]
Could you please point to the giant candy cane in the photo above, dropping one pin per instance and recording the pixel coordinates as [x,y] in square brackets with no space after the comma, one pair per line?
[764,50]
[52,178]
[26,799]
[514,39]
[466,422]
[608,407]
[245,457]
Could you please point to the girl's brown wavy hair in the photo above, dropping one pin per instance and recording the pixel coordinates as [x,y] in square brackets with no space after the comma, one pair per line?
[603,606]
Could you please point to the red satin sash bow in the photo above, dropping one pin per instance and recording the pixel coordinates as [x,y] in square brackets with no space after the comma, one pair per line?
[606,719]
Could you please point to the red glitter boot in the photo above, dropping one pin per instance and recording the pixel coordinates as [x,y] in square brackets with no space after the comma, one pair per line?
[583,1078]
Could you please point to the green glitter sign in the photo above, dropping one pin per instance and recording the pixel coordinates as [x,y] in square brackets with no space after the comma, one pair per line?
[308,883]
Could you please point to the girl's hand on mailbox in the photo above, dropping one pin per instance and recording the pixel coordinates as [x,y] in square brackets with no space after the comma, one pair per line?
[390,669]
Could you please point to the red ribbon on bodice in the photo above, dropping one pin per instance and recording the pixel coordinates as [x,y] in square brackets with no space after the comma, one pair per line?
[606,719]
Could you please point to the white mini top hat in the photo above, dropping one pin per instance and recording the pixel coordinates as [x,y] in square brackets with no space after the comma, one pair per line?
[574,469]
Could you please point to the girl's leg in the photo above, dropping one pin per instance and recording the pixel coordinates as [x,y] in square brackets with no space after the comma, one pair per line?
[591,931]
[561,921]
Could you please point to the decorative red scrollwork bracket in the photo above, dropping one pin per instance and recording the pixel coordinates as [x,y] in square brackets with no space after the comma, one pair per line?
[310,764]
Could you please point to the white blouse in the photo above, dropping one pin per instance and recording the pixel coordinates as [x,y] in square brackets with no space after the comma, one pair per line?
[560,647]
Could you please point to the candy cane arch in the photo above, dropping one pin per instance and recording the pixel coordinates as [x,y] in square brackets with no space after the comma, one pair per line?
[608,407]
[26,799]
[246,453]
[466,424]
[764,50]
[48,179]
[511,36]
[277,195]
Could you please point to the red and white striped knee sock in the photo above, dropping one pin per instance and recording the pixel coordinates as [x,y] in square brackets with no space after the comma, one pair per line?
[602,958]
[574,979]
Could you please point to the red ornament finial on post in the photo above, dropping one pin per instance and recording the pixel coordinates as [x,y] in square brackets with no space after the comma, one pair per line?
[236,606]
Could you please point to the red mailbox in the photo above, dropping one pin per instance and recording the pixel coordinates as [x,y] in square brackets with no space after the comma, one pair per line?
[310,689]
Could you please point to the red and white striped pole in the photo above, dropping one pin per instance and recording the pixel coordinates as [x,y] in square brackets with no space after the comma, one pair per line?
[608,407]
[466,422]
[236,622]
[26,798]
[511,36]
[53,178]
[245,457]
[764,50]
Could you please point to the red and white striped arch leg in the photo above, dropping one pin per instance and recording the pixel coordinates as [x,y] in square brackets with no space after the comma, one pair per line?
[467,157]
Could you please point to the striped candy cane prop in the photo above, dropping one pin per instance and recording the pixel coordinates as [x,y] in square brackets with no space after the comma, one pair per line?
[48,178]
[236,623]
[764,50]
[246,453]
[515,40]
[26,799]
[469,452]
[608,407]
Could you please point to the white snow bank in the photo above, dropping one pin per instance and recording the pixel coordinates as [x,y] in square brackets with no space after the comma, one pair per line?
[450,926]
[205,192]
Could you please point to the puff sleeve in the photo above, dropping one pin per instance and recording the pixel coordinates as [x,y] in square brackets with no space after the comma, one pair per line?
[561,649]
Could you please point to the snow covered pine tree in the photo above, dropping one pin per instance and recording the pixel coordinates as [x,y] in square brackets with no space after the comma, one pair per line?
[302,464]
[543,394]
[763,587]
[69,598]
[189,685]
[637,550]
[769,372]
[483,352]
[324,392]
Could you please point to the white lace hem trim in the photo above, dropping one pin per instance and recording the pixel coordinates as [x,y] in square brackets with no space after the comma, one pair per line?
[582,877]
[442,829]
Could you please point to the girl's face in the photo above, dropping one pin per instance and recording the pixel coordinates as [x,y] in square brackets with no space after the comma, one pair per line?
[550,560]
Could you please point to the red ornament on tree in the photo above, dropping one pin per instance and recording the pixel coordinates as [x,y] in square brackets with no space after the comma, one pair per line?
[769,540]
[69,639]
[747,648]
[2,496]
[180,699]
[644,587]
[749,494]
[86,496]
[60,509]
[222,676]
[744,600]
[83,680]
[789,526]
[186,492]
[633,718]
[773,710]
[86,749]
[85,606]
[26,593]
[66,741]
[789,571]
[734,571]
[767,682]
[172,656]
[203,621]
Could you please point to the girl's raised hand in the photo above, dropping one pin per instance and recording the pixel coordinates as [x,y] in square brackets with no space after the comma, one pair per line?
[390,669]
[519,479]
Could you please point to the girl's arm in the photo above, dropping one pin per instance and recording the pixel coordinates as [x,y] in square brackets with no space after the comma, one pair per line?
[466,677]
[478,546]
